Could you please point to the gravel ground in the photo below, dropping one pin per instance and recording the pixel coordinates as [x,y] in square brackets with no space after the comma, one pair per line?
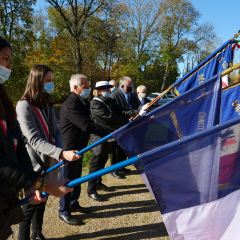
[128,213]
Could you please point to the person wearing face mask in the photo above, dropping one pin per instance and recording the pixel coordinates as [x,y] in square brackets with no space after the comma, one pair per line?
[141,93]
[124,99]
[15,165]
[44,140]
[114,85]
[106,112]
[76,126]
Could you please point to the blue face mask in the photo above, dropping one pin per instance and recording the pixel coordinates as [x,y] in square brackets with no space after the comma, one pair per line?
[106,94]
[4,74]
[48,87]
[85,93]
[113,89]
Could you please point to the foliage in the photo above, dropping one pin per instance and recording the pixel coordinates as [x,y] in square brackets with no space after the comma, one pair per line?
[143,39]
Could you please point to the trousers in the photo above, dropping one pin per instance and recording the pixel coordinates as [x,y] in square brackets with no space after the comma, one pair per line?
[97,163]
[118,155]
[71,171]
[34,214]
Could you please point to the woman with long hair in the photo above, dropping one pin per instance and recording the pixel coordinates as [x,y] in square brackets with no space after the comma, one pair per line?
[15,164]
[44,140]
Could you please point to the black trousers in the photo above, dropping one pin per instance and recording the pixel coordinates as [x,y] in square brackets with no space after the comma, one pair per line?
[34,214]
[117,155]
[97,163]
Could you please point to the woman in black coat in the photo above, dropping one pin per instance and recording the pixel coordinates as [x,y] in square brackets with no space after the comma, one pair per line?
[104,111]
[15,164]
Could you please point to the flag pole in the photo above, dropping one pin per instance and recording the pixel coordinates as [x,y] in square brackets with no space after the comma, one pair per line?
[225,72]
[79,153]
[155,100]
[88,177]
[229,70]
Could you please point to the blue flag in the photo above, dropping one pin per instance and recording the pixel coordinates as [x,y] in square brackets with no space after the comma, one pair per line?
[217,62]
[230,102]
[191,112]
[196,182]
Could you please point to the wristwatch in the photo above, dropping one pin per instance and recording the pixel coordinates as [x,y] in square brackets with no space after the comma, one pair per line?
[38,183]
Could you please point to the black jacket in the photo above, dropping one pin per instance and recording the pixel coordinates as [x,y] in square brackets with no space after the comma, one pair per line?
[106,112]
[15,173]
[121,100]
[76,124]
[145,102]
[15,166]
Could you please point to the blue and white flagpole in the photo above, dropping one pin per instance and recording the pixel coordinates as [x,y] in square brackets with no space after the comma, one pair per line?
[90,176]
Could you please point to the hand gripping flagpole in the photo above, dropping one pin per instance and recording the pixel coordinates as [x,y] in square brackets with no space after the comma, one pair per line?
[154,101]
[90,176]
[80,152]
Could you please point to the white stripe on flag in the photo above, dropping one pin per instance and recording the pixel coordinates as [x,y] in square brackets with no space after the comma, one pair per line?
[224,81]
[217,220]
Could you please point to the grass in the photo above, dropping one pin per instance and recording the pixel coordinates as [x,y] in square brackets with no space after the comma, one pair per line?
[87,159]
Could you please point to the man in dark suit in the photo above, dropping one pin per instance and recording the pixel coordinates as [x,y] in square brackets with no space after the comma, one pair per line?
[125,99]
[76,127]
[141,93]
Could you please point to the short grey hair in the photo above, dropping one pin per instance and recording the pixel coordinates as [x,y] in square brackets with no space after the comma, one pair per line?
[140,87]
[112,82]
[124,79]
[77,80]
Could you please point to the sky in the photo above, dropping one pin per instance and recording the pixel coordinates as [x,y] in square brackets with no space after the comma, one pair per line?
[224,15]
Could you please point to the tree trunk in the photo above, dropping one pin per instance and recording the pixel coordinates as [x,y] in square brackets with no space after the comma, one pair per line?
[79,58]
[165,76]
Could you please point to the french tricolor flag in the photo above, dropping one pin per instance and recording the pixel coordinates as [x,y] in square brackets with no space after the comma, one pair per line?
[196,183]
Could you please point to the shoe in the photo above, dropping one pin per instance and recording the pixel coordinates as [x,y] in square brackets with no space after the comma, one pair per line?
[38,236]
[95,196]
[117,175]
[105,188]
[69,219]
[125,170]
[81,209]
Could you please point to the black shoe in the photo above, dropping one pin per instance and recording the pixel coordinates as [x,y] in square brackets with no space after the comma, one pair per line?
[117,175]
[125,170]
[69,219]
[38,236]
[105,188]
[96,196]
[81,209]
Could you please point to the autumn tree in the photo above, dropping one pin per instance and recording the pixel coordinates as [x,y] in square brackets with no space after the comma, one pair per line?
[181,32]
[71,16]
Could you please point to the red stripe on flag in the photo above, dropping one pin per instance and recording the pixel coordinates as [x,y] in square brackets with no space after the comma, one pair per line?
[229,142]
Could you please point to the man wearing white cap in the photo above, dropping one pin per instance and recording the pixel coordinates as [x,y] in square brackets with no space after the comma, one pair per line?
[104,111]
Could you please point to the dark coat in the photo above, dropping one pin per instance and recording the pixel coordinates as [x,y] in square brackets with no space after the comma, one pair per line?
[76,124]
[145,102]
[106,112]
[15,173]
[122,102]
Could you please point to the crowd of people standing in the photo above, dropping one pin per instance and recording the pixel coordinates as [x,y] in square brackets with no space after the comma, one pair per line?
[31,141]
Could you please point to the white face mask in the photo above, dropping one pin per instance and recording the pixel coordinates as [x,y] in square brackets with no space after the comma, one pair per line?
[4,74]
[142,95]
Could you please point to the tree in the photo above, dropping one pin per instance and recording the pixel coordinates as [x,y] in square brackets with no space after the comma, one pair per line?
[15,17]
[71,16]
[142,31]
[181,32]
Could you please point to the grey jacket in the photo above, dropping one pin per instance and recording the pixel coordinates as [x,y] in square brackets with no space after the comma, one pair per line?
[33,130]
